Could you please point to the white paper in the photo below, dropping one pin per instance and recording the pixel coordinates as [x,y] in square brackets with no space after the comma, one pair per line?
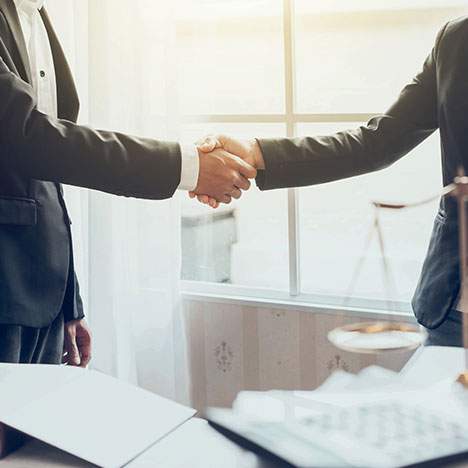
[433,406]
[194,445]
[92,416]
[343,389]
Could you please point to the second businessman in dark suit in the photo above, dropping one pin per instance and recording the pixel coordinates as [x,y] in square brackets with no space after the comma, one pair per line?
[437,98]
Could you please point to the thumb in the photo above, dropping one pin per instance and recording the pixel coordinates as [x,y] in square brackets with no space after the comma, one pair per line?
[209,144]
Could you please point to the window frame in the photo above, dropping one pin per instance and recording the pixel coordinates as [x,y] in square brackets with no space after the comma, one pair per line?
[294,297]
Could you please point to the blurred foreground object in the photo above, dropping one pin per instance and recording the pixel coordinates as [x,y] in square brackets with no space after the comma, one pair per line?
[375,419]
[377,337]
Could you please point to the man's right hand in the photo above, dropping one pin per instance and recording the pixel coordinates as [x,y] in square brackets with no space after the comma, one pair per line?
[223,175]
[247,150]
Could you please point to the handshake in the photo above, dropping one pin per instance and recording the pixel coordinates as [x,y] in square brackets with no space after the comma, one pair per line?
[226,165]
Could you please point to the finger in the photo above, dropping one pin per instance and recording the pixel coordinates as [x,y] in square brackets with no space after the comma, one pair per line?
[207,147]
[247,170]
[192,194]
[206,139]
[212,202]
[85,353]
[209,144]
[203,199]
[236,193]
[243,183]
[84,348]
[64,353]
[84,343]
[72,350]
[226,199]
[241,166]
[222,140]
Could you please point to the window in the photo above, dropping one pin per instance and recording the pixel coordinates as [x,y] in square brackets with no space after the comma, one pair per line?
[293,68]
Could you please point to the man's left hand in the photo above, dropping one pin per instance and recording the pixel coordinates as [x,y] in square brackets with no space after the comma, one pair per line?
[77,343]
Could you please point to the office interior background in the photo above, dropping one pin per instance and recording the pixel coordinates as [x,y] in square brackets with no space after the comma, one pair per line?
[197,304]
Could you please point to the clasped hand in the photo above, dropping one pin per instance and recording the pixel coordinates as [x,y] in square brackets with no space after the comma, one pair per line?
[226,164]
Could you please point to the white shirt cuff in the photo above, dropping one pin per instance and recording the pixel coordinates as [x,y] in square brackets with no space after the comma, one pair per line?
[190,167]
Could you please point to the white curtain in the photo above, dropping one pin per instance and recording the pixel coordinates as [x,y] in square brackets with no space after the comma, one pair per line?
[70,20]
[128,251]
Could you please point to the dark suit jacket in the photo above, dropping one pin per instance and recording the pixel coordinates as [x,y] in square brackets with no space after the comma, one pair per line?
[37,154]
[436,99]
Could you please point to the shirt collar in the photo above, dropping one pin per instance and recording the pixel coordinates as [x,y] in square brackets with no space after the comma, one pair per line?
[29,6]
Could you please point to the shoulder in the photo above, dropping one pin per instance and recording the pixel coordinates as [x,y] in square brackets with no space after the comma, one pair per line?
[452,38]
[456,28]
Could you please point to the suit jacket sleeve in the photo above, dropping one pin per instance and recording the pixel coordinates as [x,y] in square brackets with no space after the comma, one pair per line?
[384,140]
[41,147]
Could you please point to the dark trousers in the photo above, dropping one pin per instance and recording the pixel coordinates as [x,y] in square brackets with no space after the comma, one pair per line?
[26,345]
[449,333]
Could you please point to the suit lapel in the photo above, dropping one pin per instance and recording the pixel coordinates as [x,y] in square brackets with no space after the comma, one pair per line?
[7,7]
[67,96]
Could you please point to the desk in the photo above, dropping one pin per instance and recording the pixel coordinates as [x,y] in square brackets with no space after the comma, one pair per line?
[195,444]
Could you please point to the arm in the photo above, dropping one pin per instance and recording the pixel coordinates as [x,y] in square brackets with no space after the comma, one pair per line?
[44,148]
[384,140]
[41,147]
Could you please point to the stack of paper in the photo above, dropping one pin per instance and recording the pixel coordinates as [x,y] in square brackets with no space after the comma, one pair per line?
[85,413]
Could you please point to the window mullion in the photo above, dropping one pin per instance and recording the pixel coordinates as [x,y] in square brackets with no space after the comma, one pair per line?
[293,194]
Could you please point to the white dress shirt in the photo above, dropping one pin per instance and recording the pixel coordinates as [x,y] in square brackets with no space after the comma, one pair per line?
[45,85]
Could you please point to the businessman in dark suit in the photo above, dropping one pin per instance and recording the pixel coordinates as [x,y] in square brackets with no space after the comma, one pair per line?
[41,146]
[437,98]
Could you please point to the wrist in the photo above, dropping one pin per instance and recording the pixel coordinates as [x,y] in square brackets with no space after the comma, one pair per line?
[257,154]
[200,155]
[190,167]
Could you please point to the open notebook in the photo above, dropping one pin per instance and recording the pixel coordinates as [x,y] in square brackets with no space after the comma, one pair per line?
[90,415]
